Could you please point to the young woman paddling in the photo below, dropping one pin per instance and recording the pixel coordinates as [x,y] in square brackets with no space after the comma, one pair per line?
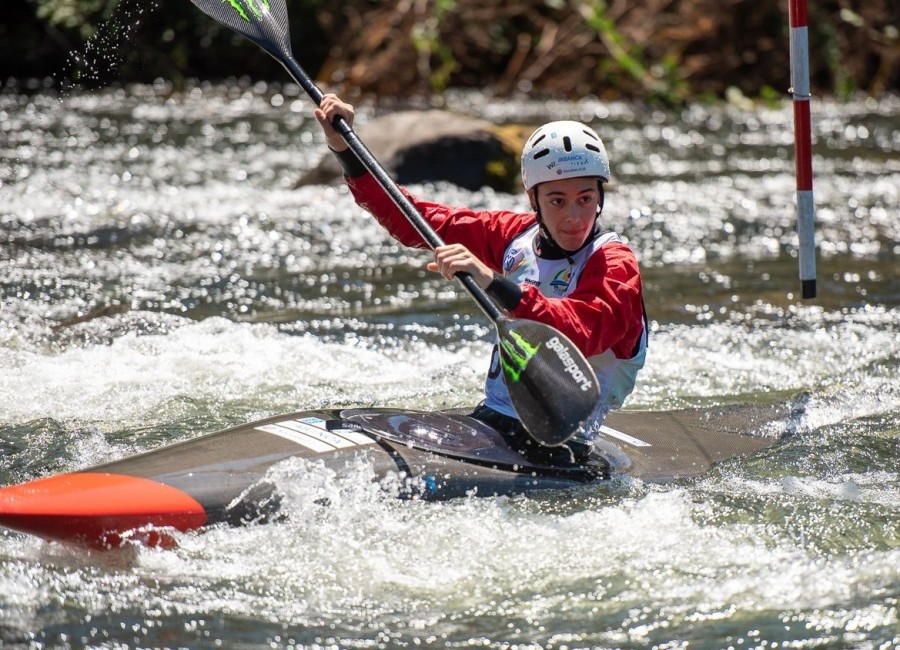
[555,265]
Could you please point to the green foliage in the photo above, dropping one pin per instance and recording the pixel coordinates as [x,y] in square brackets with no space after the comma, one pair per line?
[841,82]
[82,16]
[437,56]
[626,54]
[661,81]
[668,52]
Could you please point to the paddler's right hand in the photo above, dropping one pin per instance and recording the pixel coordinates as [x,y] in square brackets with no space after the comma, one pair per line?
[331,107]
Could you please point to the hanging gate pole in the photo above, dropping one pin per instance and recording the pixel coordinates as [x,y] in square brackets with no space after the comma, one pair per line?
[803,146]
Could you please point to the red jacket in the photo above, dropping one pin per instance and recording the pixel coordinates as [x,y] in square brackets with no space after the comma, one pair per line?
[604,311]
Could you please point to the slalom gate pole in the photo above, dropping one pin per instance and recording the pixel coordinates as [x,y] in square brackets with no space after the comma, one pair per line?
[803,146]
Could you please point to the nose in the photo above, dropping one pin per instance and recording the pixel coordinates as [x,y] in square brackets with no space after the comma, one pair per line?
[576,213]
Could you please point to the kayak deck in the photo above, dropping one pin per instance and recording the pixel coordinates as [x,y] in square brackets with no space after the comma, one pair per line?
[222,477]
[688,442]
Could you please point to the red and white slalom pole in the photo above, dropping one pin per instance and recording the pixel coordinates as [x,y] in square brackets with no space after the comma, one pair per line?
[806,210]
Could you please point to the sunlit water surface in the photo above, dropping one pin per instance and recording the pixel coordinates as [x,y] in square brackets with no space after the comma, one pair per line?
[231,296]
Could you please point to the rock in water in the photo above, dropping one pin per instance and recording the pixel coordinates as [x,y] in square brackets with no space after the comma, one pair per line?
[436,145]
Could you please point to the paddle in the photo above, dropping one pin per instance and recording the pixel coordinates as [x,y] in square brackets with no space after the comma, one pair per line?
[551,384]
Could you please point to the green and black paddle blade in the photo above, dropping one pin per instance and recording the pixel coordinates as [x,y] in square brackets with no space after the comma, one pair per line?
[264,22]
[552,386]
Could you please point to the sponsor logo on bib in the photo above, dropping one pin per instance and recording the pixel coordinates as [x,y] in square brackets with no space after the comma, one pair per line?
[560,282]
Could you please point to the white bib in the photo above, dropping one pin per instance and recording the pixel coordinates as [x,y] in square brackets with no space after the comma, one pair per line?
[557,279]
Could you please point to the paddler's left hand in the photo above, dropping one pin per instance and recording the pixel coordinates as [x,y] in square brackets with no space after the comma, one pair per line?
[331,107]
[456,258]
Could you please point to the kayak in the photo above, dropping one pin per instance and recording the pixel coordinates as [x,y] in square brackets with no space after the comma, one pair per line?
[221,478]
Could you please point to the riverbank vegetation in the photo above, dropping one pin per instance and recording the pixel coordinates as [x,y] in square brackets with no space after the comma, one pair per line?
[668,50]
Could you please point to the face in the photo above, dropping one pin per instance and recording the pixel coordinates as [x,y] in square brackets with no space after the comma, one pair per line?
[568,207]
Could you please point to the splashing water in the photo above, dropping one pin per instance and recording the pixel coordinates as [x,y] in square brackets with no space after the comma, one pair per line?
[97,62]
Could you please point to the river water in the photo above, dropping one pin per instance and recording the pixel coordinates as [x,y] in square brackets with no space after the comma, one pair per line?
[230,296]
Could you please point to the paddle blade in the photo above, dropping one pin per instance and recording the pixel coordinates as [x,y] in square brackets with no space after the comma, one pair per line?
[552,386]
[264,22]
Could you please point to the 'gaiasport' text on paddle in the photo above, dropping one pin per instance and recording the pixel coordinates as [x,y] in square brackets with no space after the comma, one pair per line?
[552,386]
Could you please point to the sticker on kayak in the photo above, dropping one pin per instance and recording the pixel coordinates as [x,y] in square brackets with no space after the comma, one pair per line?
[350,434]
[311,433]
[624,437]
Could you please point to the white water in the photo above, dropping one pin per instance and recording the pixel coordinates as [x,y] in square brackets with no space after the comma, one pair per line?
[242,298]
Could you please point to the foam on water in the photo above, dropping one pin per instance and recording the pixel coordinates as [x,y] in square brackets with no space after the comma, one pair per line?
[155,378]
[628,572]
[802,350]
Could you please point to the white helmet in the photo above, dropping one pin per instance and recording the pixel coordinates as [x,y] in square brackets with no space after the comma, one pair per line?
[563,150]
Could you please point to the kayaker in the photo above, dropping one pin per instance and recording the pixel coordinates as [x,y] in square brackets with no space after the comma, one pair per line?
[556,265]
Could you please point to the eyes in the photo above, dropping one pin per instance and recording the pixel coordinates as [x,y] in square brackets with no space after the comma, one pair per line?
[588,199]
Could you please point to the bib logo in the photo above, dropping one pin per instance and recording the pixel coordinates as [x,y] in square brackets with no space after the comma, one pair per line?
[517,266]
[560,283]
[256,7]
[513,261]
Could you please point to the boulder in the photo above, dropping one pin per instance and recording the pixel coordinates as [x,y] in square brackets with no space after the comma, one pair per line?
[436,145]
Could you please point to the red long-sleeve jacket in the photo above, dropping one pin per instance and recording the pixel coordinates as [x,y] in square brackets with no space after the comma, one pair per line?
[604,311]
